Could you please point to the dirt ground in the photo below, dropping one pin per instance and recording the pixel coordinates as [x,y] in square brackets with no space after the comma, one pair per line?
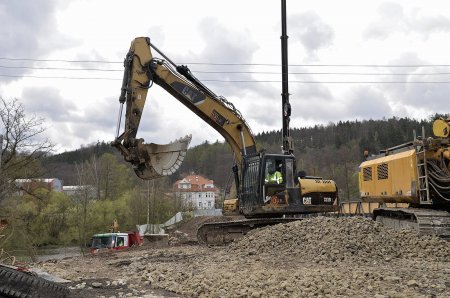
[319,257]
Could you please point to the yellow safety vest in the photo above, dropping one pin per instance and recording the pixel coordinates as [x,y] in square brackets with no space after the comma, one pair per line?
[275,177]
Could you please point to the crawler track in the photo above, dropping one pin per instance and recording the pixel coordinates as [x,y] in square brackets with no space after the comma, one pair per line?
[424,221]
[15,283]
[222,233]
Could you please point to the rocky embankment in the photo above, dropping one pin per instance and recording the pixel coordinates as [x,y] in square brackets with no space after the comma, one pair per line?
[328,257]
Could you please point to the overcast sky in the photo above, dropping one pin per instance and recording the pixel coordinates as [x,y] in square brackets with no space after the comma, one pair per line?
[344,58]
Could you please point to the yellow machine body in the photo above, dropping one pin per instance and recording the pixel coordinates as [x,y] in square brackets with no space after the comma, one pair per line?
[379,179]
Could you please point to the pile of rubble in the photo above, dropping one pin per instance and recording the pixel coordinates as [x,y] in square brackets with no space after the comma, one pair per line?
[355,239]
[351,257]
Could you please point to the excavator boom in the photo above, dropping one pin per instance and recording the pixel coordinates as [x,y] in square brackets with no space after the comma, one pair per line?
[153,160]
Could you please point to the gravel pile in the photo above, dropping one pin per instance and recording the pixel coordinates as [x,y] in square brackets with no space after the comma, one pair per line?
[318,257]
[355,239]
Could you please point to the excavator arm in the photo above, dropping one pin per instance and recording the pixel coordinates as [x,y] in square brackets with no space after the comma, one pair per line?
[149,160]
[142,69]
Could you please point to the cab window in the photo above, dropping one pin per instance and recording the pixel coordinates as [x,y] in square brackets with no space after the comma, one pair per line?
[120,241]
[274,171]
[289,173]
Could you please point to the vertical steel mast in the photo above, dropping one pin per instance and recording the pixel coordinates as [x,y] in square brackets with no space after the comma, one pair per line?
[288,147]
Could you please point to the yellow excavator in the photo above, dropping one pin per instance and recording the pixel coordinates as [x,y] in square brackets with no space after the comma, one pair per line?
[259,199]
[416,173]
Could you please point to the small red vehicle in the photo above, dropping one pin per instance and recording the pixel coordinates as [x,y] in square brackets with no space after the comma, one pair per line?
[115,241]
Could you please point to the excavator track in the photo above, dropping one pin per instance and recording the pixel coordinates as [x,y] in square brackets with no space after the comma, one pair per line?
[424,221]
[222,233]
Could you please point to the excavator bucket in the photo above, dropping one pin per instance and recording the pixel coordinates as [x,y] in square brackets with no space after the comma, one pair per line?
[160,160]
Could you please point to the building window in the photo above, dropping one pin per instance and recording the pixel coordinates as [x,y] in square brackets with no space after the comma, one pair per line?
[209,204]
[199,204]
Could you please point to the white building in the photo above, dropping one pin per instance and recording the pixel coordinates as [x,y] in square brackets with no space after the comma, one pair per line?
[80,190]
[196,191]
[30,185]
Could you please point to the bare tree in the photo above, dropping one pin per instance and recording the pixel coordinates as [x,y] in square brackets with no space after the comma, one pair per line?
[22,147]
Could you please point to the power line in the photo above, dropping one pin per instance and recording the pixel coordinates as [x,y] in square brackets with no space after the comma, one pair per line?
[59,60]
[322,65]
[243,81]
[331,82]
[58,77]
[58,68]
[234,64]
[325,73]
[236,72]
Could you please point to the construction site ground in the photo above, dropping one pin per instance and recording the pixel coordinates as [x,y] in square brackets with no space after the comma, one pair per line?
[316,257]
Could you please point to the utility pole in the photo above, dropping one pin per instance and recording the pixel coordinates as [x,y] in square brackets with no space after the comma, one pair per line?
[1,151]
[148,199]
[288,146]
[148,203]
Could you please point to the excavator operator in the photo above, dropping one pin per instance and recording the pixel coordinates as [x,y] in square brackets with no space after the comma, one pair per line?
[273,175]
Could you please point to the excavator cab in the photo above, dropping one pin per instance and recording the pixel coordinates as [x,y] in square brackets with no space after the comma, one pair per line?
[267,183]
[271,188]
[274,180]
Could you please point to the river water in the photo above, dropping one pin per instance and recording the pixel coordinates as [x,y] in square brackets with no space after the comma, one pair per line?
[59,253]
[45,254]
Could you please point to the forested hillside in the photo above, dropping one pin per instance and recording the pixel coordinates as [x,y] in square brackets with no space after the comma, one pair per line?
[332,151]
[63,165]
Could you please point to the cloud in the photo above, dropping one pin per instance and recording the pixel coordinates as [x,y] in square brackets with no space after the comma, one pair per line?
[67,123]
[47,102]
[416,93]
[28,30]
[428,96]
[88,60]
[225,45]
[392,19]
[366,102]
[313,33]
[426,25]
[307,98]
[102,115]
[98,122]
[309,90]
[234,49]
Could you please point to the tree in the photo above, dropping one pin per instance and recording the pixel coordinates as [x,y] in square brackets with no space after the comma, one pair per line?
[23,145]
[82,200]
[113,177]
[54,219]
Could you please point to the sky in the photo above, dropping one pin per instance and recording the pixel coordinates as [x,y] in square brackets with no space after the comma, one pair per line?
[348,60]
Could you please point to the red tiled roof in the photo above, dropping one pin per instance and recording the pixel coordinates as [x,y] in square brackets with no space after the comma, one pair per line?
[197,182]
